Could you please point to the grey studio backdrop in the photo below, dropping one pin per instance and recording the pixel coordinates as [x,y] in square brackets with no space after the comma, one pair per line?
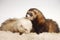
[18,8]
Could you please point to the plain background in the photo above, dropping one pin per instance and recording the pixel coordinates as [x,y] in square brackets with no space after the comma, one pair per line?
[18,8]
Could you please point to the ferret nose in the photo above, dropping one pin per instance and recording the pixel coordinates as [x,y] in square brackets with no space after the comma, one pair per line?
[27,15]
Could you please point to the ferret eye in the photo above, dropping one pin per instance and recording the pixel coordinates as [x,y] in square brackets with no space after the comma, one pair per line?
[31,14]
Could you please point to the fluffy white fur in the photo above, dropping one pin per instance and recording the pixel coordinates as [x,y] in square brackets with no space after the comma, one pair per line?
[31,36]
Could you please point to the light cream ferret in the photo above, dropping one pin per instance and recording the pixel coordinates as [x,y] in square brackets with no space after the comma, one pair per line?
[21,25]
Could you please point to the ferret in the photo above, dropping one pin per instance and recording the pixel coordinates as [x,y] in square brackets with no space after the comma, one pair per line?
[40,23]
[14,25]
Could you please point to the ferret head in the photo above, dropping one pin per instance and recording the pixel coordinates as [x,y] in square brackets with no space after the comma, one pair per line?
[34,13]
[24,25]
[31,14]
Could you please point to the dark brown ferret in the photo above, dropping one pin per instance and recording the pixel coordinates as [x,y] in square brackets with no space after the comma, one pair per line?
[40,23]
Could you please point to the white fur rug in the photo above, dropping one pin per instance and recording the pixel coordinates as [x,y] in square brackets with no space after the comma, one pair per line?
[31,36]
